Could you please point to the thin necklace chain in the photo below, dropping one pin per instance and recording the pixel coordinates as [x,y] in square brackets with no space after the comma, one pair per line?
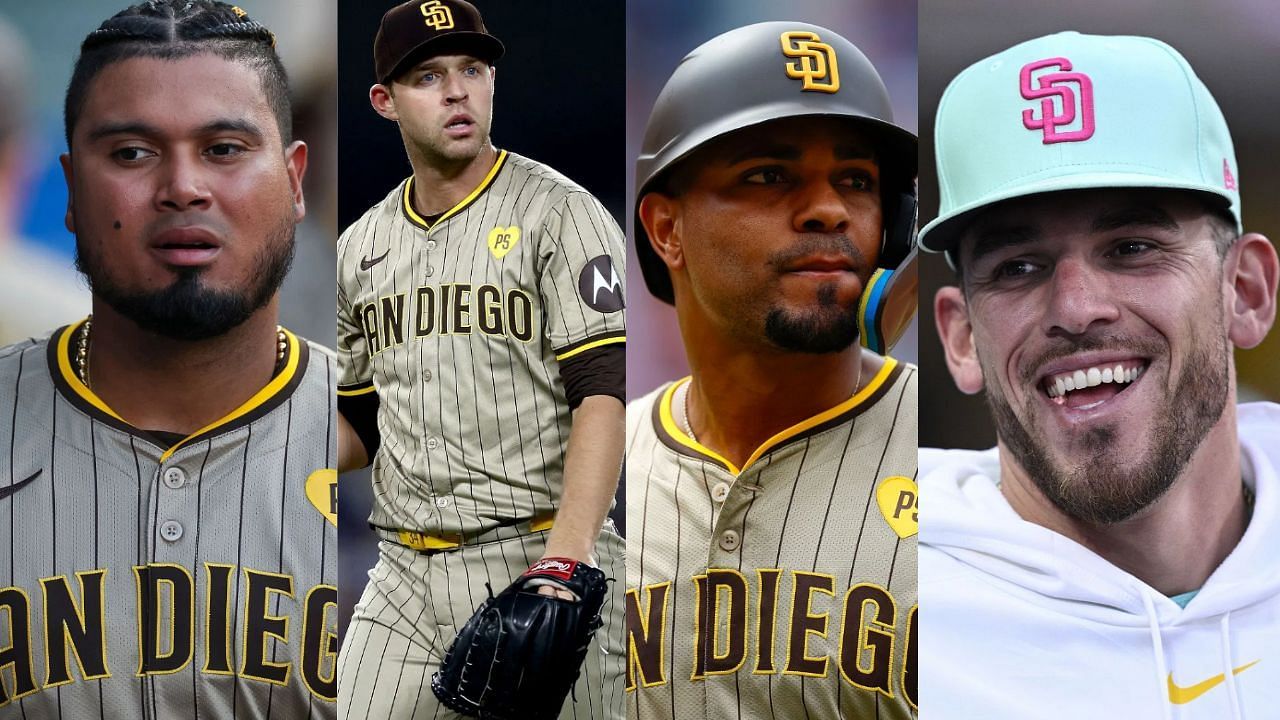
[688,424]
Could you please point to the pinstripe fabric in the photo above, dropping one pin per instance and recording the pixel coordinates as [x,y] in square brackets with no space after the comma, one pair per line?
[781,592]
[412,606]
[473,422]
[459,327]
[217,546]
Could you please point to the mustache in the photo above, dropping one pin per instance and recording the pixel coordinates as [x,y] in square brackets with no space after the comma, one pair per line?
[1063,348]
[818,244]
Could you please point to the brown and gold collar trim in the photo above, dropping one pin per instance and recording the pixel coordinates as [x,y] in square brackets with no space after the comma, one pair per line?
[279,389]
[406,198]
[671,435]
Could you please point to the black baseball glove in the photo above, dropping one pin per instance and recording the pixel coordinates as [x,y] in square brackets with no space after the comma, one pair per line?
[521,652]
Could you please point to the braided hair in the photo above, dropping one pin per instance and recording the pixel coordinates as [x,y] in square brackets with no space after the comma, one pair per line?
[175,29]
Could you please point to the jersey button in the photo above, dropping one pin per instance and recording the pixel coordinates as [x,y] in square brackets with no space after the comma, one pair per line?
[729,540]
[433,443]
[442,502]
[174,478]
[720,492]
[426,376]
[430,271]
[431,244]
[171,530]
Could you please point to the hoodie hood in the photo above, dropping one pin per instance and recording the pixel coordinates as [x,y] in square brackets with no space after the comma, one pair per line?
[1029,577]
[967,517]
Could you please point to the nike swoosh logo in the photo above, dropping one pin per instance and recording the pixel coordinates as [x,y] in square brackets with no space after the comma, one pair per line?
[366,263]
[7,491]
[1183,695]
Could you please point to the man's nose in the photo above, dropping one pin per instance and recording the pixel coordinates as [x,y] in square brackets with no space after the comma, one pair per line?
[821,208]
[183,184]
[1080,295]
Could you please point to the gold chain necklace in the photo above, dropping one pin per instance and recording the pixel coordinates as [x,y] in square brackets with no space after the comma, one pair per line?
[82,349]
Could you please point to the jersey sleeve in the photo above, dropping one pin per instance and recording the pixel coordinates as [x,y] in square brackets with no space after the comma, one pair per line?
[583,280]
[355,374]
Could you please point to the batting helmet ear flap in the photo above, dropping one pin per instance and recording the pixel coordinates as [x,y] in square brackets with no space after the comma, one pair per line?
[889,299]
[899,229]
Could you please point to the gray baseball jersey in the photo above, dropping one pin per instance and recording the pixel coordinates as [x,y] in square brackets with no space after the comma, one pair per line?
[146,576]
[458,326]
[784,589]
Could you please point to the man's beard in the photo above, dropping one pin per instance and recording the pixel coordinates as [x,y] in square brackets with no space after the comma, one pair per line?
[187,309]
[1098,488]
[827,326]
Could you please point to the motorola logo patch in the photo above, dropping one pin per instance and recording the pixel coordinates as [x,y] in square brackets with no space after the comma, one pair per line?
[600,286]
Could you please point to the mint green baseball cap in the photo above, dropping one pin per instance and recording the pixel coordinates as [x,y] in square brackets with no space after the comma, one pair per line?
[1072,111]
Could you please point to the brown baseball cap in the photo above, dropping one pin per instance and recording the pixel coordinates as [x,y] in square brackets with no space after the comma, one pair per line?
[419,29]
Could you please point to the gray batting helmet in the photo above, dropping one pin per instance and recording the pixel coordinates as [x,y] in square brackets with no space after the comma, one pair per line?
[764,72]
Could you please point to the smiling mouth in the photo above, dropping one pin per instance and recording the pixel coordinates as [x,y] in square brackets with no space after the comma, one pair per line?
[1086,388]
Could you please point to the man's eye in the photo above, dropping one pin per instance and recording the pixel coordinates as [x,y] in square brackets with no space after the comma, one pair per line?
[1130,248]
[131,154]
[1015,268]
[225,150]
[472,71]
[428,77]
[858,182]
[766,176]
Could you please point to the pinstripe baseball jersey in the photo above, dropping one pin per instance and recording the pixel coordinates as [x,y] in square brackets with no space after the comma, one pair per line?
[784,589]
[458,326]
[151,577]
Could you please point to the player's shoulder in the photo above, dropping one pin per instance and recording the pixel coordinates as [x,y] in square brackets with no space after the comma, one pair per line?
[383,210]
[9,351]
[553,188]
[907,373]
[321,359]
[323,352]
[526,167]
[19,353]
[640,411]
[23,363]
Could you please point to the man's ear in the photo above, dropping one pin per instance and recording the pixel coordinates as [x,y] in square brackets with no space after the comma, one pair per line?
[69,174]
[383,101]
[660,215]
[295,162]
[1249,282]
[951,313]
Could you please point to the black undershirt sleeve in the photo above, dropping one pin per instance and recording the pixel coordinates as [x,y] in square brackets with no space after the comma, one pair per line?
[362,412]
[598,371]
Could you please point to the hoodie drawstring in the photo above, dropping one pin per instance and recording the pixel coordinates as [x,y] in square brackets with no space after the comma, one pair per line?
[1162,669]
[1233,689]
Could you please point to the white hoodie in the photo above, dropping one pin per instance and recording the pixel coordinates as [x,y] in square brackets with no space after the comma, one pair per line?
[1018,622]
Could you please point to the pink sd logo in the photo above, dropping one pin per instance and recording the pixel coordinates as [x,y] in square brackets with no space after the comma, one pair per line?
[1052,85]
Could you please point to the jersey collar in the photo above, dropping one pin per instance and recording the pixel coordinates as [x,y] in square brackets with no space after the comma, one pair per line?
[671,435]
[275,392]
[406,198]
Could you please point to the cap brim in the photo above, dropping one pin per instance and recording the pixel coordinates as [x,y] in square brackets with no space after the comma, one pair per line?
[944,232]
[481,46]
